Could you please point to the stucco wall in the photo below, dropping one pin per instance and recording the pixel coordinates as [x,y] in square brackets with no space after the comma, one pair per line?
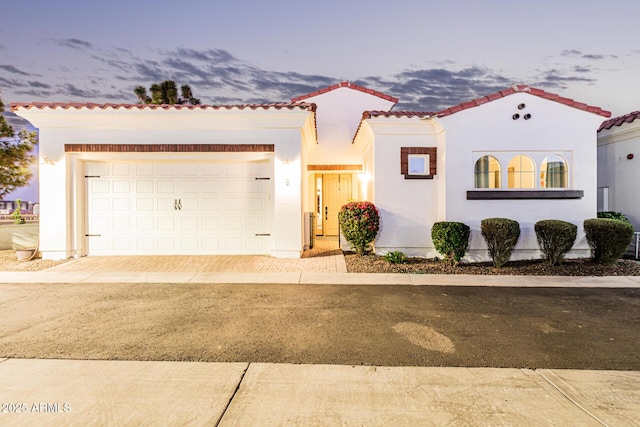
[62,195]
[490,129]
[338,115]
[408,207]
[620,174]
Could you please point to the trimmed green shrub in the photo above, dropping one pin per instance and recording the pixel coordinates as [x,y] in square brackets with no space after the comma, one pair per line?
[17,213]
[614,215]
[360,223]
[451,240]
[501,235]
[608,238]
[555,239]
[395,257]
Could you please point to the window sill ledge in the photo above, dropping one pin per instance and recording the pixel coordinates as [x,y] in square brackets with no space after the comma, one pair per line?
[524,194]
[407,176]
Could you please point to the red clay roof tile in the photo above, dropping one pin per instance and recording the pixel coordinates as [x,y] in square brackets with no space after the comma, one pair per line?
[619,121]
[350,86]
[524,88]
[91,106]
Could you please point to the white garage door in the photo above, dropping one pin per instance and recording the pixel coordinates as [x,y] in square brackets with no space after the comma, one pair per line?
[163,208]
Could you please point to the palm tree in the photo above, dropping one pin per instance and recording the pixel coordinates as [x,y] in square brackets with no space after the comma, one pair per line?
[141,93]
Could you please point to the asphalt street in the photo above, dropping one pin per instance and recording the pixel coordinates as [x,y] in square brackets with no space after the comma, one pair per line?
[579,328]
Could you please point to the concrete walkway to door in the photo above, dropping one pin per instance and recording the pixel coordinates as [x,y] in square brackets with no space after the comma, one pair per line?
[325,257]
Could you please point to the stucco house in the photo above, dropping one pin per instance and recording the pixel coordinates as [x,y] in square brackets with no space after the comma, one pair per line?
[618,169]
[143,179]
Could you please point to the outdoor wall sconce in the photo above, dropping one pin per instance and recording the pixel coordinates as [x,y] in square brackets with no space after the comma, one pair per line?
[48,161]
[629,156]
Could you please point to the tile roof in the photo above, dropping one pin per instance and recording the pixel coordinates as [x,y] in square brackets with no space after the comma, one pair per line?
[91,106]
[619,121]
[419,114]
[350,86]
[483,100]
[527,89]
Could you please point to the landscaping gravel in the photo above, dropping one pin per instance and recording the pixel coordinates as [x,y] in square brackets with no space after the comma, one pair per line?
[9,262]
[572,267]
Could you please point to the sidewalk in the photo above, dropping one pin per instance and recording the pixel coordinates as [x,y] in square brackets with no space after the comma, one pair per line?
[54,275]
[71,392]
[101,392]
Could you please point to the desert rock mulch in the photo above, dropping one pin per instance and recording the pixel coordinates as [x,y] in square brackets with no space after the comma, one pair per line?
[572,267]
[9,262]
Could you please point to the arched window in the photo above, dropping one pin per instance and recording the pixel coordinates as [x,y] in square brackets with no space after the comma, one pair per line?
[487,172]
[554,172]
[521,172]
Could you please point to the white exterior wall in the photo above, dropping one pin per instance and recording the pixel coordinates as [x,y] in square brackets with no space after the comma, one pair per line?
[490,129]
[338,115]
[62,196]
[408,207]
[620,174]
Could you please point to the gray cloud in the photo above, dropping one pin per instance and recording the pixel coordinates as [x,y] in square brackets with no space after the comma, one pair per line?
[599,57]
[74,43]
[13,70]
[218,77]
[571,52]
[39,85]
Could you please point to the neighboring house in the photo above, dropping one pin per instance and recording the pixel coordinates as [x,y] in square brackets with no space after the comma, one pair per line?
[8,206]
[618,169]
[139,179]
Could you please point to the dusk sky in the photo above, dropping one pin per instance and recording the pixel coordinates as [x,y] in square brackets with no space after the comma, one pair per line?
[429,54]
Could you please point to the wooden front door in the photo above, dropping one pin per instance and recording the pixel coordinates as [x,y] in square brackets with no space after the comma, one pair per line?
[336,192]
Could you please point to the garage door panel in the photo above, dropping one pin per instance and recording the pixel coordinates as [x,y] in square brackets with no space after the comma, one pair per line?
[145,204]
[99,186]
[120,169]
[211,244]
[165,169]
[145,223]
[146,245]
[210,223]
[255,223]
[188,205]
[165,187]
[210,204]
[120,204]
[232,186]
[172,208]
[189,223]
[145,169]
[210,186]
[97,169]
[233,223]
[187,187]
[166,245]
[234,169]
[144,186]
[255,243]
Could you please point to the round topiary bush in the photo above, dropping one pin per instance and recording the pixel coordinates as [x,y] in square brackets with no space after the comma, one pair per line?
[501,235]
[360,223]
[608,238]
[555,239]
[451,240]
[613,215]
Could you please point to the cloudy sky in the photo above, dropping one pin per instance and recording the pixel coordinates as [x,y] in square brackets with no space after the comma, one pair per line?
[430,54]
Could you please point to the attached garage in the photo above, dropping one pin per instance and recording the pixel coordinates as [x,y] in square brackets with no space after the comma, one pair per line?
[130,179]
[164,208]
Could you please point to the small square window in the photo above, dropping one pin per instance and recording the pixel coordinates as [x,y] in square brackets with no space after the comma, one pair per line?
[418,164]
